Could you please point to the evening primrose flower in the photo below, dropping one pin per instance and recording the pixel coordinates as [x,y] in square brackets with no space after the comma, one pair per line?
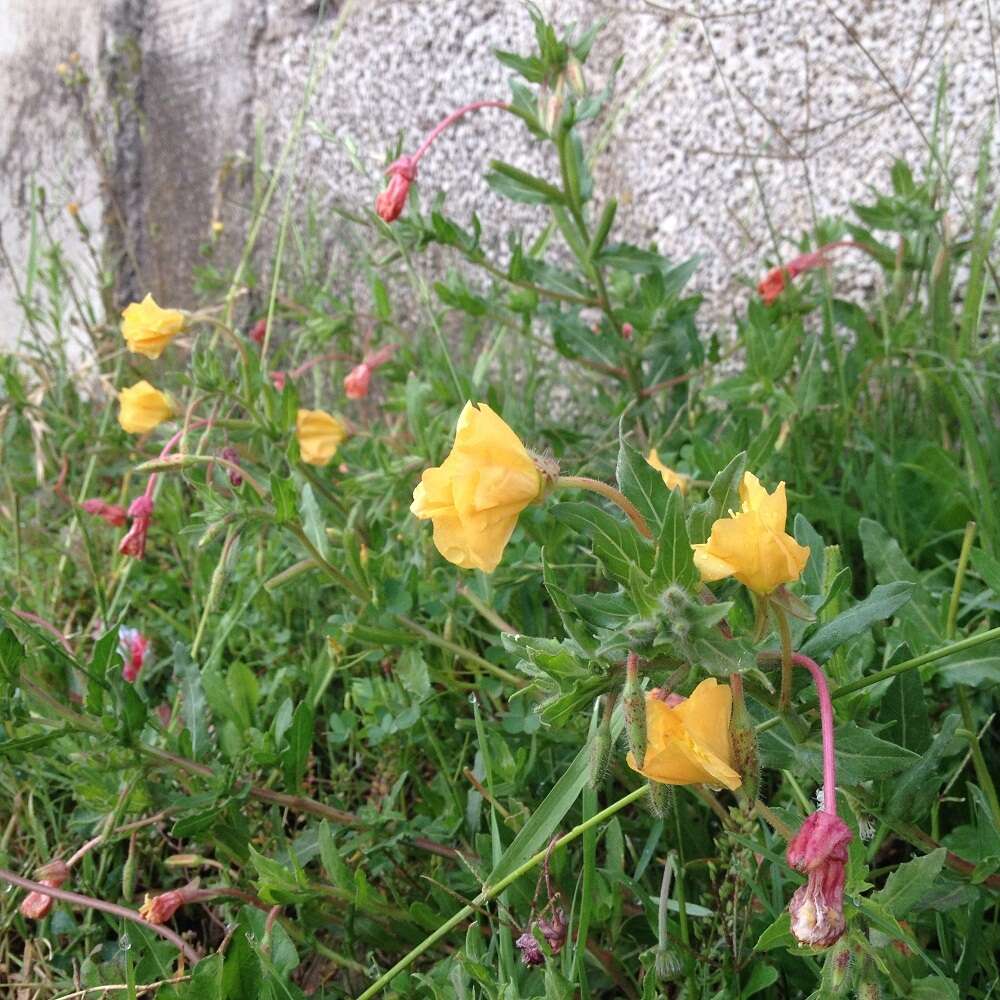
[142,407]
[671,479]
[148,329]
[752,545]
[475,496]
[688,743]
[319,436]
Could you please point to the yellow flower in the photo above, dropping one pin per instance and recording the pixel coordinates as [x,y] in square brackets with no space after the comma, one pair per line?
[672,480]
[753,545]
[475,496]
[142,407]
[319,435]
[688,744]
[148,329]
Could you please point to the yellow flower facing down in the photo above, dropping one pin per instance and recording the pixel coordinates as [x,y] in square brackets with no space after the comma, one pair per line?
[142,407]
[319,435]
[475,496]
[672,480]
[752,545]
[148,329]
[688,744]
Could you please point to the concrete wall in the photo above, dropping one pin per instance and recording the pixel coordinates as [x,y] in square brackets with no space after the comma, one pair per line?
[728,134]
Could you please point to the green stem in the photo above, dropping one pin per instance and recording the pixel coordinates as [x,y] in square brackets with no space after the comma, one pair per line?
[956,590]
[490,892]
[785,633]
[612,494]
[978,760]
[335,574]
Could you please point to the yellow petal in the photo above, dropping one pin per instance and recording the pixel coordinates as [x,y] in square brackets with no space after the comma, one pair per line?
[148,329]
[142,407]
[671,479]
[319,436]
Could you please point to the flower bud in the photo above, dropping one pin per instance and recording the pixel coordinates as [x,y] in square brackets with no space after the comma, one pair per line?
[111,513]
[159,909]
[36,905]
[357,380]
[230,454]
[134,542]
[574,73]
[390,203]
[259,331]
[661,799]
[837,967]
[819,850]
[600,752]
[531,950]
[130,870]
[634,707]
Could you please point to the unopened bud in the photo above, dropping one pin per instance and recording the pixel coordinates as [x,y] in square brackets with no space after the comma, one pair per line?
[600,752]
[634,707]
[184,861]
[36,904]
[661,799]
[129,870]
[574,74]
[869,990]
[837,967]
[550,107]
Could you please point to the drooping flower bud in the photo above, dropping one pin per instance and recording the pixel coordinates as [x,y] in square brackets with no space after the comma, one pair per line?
[36,904]
[357,380]
[133,647]
[634,707]
[111,513]
[159,909]
[134,542]
[230,454]
[278,380]
[628,331]
[259,330]
[390,203]
[819,850]
[531,950]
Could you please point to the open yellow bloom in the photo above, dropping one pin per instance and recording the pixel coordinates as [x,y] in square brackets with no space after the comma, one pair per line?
[319,435]
[752,545]
[142,407]
[689,743]
[475,496]
[672,480]
[148,329]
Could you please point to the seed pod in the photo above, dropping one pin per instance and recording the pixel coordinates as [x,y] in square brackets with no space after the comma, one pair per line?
[634,707]
[661,799]
[130,869]
[600,752]
[743,739]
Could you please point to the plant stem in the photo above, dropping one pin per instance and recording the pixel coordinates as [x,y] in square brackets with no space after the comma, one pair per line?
[826,725]
[978,760]
[492,891]
[99,904]
[956,590]
[612,494]
[785,633]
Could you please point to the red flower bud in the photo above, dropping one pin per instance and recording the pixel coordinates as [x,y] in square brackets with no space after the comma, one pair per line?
[278,380]
[141,512]
[115,515]
[159,909]
[230,454]
[36,904]
[258,331]
[357,380]
[133,646]
[390,203]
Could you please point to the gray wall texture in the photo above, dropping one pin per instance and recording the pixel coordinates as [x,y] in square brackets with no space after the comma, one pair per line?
[734,125]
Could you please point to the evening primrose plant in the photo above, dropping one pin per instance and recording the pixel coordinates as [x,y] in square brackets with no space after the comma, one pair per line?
[356,643]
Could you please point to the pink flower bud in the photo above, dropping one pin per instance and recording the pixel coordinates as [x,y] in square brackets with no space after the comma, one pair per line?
[357,380]
[390,203]
[230,454]
[159,909]
[627,331]
[112,513]
[36,905]
[278,380]
[258,331]
[141,512]
[819,850]
[133,647]
[531,950]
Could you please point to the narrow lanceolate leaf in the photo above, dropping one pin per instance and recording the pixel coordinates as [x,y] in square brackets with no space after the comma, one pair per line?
[881,603]
[519,185]
[295,756]
[641,483]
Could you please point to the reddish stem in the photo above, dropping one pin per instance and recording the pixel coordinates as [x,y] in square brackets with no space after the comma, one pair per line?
[48,626]
[451,119]
[826,727]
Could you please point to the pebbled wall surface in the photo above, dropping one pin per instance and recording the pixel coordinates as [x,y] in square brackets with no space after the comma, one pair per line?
[736,122]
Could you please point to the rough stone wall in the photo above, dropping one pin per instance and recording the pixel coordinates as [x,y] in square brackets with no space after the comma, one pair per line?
[731,130]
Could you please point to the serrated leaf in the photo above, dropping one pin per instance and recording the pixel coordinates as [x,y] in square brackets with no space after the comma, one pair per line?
[881,603]
[674,559]
[909,882]
[778,935]
[617,545]
[641,483]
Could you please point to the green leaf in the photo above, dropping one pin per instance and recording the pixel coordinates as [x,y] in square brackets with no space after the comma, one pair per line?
[913,793]
[617,545]
[567,610]
[723,496]
[519,185]
[761,977]
[11,655]
[244,691]
[674,559]
[411,669]
[805,534]
[194,706]
[909,883]
[295,756]
[283,497]
[778,935]
[312,519]
[640,483]
[904,708]
[336,868]
[880,604]
[933,988]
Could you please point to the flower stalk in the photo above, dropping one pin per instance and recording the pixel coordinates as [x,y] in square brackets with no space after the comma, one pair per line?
[610,493]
